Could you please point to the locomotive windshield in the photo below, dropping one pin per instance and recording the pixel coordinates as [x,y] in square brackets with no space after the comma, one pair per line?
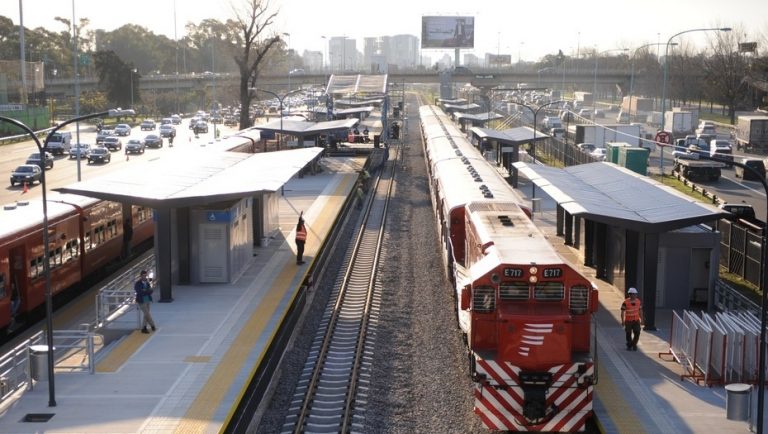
[549,291]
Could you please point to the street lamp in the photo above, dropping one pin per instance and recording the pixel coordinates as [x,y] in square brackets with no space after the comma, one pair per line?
[632,74]
[594,88]
[280,100]
[42,148]
[288,53]
[533,141]
[664,81]
[132,71]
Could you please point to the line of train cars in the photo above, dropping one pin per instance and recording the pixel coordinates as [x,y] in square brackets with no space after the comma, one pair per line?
[525,312]
[84,235]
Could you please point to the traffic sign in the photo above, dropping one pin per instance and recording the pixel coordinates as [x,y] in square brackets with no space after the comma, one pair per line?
[663,137]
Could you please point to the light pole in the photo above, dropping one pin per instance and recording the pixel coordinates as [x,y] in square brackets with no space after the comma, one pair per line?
[288,53]
[280,100]
[632,74]
[132,71]
[664,81]
[594,88]
[42,148]
[533,141]
[325,54]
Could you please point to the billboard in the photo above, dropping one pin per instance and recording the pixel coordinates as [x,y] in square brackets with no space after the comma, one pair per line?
[499,59]
[447,32]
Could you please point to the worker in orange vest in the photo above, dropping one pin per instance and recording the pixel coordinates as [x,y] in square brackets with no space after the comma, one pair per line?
[632,318]
[301,238]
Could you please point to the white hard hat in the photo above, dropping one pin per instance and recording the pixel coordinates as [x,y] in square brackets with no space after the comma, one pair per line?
[632,291]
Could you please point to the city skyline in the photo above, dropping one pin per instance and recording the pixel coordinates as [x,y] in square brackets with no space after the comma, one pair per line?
[525,32]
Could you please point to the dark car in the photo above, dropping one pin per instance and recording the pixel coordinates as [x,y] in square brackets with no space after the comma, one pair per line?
[113,143]
[230,121]
[102,135]
[134,147]
[148,124]
[201,127]
[99,155]
[26,174]
[153,141]
[35,159]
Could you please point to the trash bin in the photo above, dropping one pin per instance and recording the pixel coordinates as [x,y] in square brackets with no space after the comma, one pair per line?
[38,362]
[737,401]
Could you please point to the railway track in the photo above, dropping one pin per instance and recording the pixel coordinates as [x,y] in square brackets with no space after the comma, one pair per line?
[332,391]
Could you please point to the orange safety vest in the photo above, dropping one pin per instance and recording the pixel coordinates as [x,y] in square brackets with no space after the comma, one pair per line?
[301,234]
[631,309]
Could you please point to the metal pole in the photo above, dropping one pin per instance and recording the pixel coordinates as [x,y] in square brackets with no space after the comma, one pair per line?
[77,88]
[22,49]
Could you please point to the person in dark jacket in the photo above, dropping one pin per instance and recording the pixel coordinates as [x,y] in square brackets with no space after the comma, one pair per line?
[143,289]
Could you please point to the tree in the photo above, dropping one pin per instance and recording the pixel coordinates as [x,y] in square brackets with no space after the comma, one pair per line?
[251,24]
[115,77]
[727,72]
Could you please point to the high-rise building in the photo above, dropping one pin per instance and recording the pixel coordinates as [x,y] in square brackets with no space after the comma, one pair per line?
[313,60]
[399,50]
[342,53]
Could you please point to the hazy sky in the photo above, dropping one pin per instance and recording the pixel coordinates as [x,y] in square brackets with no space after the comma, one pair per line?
[528,29]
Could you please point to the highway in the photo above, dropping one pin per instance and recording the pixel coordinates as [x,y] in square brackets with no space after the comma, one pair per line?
[64,170]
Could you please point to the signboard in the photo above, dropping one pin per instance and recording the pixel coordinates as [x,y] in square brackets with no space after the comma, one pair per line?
[499,59]
[747,47]
[663,137]
[447,32]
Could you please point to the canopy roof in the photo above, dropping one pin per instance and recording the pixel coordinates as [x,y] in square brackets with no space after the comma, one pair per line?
[517,135]
[351,84]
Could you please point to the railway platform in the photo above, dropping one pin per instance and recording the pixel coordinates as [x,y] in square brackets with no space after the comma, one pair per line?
[637,391]
[190,374]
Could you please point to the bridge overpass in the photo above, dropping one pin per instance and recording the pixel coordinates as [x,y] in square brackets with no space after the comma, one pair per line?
[483,79]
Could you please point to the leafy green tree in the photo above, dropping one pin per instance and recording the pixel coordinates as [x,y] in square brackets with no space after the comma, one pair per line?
[115,78]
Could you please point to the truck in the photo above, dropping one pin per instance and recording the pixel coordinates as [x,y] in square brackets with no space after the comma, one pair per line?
[639,105]
[752,133]
[692,168]
[60,142]
[583,98]
[679,123]
[600,134]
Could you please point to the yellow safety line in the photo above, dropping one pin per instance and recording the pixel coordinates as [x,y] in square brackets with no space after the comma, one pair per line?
[201,412]
[120,354]
[619,410]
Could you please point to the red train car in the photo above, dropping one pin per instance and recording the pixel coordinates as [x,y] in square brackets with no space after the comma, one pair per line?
[526,313]
[84,234]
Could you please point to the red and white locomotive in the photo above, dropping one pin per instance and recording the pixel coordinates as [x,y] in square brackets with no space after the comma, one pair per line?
[84,235]
[525,312]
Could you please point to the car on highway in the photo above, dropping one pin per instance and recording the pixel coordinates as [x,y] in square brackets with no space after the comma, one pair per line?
[230,121]
[201,127]
[166,121]
[740,211]
[113,143]
[722,150]
[148,125]
[79,150]
[599,154]
[175,119]
[47,163]
[99,155]
[26,174]
[193,121]
[134,146]
[153,141]
[586,147]
[103,134]
[167,130]
[123,130]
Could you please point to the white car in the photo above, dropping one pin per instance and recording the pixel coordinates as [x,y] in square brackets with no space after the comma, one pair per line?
[599,154]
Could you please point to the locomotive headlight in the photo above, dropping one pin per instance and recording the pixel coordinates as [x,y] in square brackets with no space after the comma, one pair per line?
[533,270]
[533,279]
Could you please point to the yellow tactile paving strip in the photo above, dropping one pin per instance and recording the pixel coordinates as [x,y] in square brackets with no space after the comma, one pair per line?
[202,409]
[119,355]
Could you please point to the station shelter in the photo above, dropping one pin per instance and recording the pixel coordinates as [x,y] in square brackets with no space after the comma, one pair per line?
[210,208]
[635,232]
[466,120]
[503,146]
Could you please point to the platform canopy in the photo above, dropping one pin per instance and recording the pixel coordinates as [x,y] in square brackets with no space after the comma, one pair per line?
[306,128]
[614,195]
[196,177]
[478,117]
[357,84]
[513,136]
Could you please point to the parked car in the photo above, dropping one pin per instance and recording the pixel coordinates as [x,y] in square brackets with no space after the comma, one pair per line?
[35,159]
[26,174]
[99,155]
[175,119]
[153,141]
[123,130]
[586,147]
[113,143]
[79,150]
[148,124]
[134,146]
[167,130]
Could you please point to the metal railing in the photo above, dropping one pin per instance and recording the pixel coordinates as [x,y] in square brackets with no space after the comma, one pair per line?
[117,297]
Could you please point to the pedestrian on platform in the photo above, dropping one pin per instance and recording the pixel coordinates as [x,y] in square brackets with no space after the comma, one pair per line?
[301,239]
[364,178]
[632,318]
[366,139]
[359,194]
[143,289]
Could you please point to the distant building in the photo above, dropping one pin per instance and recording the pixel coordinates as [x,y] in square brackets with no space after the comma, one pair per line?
[400,50]
[313,60]
[471,60]
[342,53]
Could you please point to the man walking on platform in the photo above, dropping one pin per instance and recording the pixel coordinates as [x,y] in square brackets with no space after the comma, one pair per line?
[143,289]
[301,239]
[632,318]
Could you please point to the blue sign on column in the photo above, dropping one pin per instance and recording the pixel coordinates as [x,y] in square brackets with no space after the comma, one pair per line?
[218,216]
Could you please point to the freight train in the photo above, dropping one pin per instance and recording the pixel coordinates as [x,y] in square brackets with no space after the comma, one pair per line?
[84,235]
[526,314]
